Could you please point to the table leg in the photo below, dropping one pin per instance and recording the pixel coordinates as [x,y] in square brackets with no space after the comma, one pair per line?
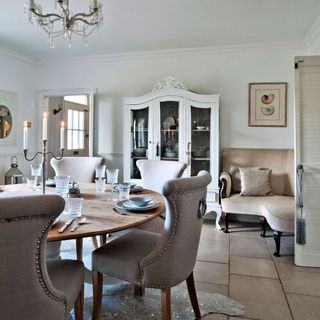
[79,246]
[103,239]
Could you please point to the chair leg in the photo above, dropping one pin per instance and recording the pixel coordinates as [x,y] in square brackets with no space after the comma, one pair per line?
[277,239]
[95,242]
[193,296]
[79,304]
[166,304]
[264,227]
[226,222]
[97,281]
[138,291]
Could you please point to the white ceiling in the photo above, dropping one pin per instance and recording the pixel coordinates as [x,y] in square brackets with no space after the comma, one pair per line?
[143,25]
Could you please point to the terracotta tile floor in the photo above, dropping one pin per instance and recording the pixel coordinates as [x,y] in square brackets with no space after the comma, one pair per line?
[241,265]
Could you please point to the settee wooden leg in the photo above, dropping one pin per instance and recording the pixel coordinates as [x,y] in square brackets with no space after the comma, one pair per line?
[264,227]
[226,222]
[277,239]
[138,291]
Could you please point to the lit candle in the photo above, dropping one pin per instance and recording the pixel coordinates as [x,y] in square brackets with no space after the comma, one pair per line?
[25,136]
[62,135]
[31,4]
[45,126]
[95,4]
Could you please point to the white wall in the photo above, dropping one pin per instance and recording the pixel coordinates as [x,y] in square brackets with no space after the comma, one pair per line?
[18,76]
[226,73]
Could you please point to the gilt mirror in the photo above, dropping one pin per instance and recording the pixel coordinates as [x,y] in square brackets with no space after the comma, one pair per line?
[8,105]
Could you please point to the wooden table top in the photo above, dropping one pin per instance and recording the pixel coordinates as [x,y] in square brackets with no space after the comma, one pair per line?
[100,216]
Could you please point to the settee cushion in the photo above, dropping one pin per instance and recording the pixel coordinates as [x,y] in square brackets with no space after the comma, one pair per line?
[236,177]
[255,182]
[278,210]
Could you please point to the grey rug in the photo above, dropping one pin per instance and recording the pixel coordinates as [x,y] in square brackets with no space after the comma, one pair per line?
[119,303]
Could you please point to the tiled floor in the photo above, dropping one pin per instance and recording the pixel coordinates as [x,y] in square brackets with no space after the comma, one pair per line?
[241,265]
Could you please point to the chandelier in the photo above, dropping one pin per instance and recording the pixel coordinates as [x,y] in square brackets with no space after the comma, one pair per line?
[64,22]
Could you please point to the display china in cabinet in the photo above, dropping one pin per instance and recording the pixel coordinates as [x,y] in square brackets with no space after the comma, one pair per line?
[172,123]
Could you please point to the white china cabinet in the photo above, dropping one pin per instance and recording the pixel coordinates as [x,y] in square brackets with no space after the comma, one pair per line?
[172,123]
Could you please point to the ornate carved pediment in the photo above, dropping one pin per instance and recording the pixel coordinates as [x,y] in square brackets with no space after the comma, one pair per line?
[169,82]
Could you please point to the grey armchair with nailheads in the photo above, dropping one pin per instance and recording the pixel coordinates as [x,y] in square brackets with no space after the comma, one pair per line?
[31,289]
[158,260]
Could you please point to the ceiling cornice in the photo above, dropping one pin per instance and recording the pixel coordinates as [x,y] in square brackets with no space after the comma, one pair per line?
[313,33]
[17,56]
[262,47]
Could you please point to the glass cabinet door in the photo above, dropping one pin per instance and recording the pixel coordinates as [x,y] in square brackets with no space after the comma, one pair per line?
[169,139]
[139,139]
[200,139]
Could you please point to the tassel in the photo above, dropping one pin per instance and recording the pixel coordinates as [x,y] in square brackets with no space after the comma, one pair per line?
[301,231]
[301,222]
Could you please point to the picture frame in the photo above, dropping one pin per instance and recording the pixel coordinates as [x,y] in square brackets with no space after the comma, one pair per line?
[268,104]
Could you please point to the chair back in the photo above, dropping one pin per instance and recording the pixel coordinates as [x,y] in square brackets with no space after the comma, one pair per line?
[80,169]
[155,173]
[173,259]
[26,291]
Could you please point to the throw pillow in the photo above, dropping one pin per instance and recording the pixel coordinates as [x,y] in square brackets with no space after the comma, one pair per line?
[236,177]
[255,182]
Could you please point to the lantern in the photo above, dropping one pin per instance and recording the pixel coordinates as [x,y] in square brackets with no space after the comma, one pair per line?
[13,175]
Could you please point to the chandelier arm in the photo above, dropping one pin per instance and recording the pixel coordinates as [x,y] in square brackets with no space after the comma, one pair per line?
[85,15]
[46,15]
[84,21]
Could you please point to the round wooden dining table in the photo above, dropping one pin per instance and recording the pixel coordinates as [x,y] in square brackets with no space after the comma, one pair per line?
[102,217]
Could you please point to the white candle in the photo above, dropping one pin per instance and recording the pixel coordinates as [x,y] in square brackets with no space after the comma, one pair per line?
[32,4]
[62,135]
[25,136]
[95,4]
[45,126]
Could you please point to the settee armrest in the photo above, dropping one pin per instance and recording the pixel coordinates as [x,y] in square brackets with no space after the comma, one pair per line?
[225,179]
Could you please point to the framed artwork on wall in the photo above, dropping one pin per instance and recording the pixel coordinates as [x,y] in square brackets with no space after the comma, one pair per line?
[268,104]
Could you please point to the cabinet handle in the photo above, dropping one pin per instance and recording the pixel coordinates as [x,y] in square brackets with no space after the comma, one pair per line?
[157,150]
[188,148]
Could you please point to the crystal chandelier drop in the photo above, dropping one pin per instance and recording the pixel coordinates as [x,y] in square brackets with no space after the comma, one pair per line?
[64,22]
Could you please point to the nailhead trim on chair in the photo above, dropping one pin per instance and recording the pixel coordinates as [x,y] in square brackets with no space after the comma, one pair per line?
[37,259]
[156,258]
[173,233]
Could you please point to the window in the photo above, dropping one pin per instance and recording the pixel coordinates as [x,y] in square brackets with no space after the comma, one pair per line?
[75,129]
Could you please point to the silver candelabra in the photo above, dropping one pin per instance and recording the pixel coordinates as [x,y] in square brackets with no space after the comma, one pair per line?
[44,154]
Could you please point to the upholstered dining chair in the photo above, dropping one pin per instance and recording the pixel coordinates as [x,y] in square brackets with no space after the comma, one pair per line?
[154,174]
[80,169]
[158,261]
[30,287]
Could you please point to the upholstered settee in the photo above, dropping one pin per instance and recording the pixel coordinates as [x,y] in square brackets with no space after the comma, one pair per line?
[277,208]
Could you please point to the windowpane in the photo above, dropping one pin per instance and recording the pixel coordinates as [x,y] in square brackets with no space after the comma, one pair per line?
[70,117]
[75,122]
[81,120]
[81,139]
[75,142]
[69,139]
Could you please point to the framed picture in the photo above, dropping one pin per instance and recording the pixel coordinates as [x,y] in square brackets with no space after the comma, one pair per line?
[268,104]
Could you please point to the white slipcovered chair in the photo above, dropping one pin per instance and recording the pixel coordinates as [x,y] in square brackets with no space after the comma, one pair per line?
[80,169]
[154,175]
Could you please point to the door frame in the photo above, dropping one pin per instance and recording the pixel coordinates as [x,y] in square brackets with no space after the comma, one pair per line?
[43,107]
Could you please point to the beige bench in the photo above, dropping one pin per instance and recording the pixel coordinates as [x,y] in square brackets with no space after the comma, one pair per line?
[278,209]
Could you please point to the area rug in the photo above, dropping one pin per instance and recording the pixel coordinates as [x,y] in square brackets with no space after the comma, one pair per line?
[119,303]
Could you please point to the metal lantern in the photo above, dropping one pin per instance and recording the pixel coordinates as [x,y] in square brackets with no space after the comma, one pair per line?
[13,175]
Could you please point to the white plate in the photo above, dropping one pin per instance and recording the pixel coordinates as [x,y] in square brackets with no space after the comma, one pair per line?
[151,206]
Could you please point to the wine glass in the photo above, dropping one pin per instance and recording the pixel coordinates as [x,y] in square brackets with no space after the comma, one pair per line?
[36,172]
[100,178]
[112,178]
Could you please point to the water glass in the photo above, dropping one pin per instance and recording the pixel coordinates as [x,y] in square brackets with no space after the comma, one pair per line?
[112,175]
[74,207]
[32,183]
[100,185]
[36,170]
[101,171]
[62,185]
[112,178]
[124,191]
